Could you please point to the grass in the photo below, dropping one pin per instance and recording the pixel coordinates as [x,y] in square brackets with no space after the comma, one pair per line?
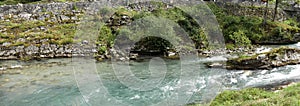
[258,97]
[245,30]
[57,33]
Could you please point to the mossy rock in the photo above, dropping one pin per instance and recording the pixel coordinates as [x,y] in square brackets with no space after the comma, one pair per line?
[275,58]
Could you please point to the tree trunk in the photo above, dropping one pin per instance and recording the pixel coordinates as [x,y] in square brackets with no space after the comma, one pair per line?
[275,11]
[266,13]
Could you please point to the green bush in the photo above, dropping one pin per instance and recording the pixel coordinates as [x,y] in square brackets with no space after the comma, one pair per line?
[176,15]
[106,38]
[240,38]
[102,49]
[259,97]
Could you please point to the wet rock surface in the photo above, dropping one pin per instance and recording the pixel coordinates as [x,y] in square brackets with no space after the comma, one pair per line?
[275,58]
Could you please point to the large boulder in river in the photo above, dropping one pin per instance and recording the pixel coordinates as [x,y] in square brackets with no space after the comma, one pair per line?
[275,58]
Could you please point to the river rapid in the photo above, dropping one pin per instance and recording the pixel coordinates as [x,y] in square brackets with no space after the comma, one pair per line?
[56,82]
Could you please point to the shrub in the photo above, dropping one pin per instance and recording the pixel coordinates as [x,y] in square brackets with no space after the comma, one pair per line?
[240,38]
[106,36]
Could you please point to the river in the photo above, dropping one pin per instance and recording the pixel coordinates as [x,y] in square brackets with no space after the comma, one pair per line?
[66,81]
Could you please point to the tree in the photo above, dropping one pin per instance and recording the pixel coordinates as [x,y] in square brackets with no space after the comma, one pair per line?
[266,12]
[275,11]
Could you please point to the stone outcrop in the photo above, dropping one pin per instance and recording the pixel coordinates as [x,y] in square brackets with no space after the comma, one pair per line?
[276,58]
[47,51]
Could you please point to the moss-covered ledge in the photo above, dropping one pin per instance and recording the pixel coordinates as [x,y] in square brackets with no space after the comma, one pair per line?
[275,58]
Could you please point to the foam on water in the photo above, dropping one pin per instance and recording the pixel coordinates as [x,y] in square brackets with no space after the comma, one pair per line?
[285,73]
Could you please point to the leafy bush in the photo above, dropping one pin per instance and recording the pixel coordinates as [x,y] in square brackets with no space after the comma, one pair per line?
[240,38]
[105,39]
[161,27]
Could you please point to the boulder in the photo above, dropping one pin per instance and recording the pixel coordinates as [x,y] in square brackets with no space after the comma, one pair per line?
[275,58]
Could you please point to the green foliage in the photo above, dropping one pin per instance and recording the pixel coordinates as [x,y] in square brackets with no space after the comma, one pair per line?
[56,33]
[102,49]
[240,38]
[258,97]
[162,23]
[230,46]
[65,41]
[252,28]
[291,22]
[106,38]
[151,33]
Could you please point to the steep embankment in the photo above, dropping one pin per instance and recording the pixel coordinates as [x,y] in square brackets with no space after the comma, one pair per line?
[48,30]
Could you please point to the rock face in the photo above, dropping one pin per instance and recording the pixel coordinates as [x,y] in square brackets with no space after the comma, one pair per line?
[276,58]
[46,51]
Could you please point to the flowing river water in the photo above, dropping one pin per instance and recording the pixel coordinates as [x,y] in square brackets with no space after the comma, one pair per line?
[53,82]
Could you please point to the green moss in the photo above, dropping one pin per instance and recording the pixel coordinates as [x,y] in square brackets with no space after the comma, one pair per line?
[18,44]
[57,33]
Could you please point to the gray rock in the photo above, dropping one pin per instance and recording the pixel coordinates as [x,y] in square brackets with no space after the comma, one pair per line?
[6,44]
[64,18]
[1,16]
[2,53]
[85,42]
[25,15]
[20,49]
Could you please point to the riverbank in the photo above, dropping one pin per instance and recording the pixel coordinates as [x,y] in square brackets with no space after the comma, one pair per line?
[255,96]
[51,34]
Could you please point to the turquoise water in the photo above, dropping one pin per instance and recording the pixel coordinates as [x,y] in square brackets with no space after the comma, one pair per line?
[81,81]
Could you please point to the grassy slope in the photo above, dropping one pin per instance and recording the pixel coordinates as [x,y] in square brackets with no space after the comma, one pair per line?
[57,33]
[257,97]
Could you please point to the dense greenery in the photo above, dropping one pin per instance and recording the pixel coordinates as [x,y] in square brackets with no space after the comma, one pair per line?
[237,30]
[161,26]
[33,31]
[258,97]
[244,31]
